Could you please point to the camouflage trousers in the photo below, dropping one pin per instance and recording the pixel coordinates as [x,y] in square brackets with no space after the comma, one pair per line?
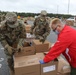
[10,61]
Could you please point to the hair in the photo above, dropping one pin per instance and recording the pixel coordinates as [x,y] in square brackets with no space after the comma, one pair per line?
[55,21]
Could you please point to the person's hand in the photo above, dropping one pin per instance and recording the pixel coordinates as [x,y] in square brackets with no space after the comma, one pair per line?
[44,35]
[41,62]
[40,37]
[19,48]
[9,49]
[42,40]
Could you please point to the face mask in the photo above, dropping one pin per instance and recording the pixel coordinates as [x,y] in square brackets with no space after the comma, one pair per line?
[57,32]
[12,25]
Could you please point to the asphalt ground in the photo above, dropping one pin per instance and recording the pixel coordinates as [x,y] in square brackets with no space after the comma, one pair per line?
[4,70]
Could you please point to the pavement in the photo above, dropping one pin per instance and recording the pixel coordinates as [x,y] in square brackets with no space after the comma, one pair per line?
[3,62]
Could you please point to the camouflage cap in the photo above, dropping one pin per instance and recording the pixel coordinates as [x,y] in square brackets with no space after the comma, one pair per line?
[11,19]
[43,12]
[10,16]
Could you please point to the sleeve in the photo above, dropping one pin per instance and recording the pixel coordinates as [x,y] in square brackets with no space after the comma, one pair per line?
[64,53]
[34,25]
[4,43]
[2,38]
[48,29]
[60,46]
[23,32]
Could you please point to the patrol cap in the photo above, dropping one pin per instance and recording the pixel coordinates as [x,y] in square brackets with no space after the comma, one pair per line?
[11,19]
[11,16]
[43,12]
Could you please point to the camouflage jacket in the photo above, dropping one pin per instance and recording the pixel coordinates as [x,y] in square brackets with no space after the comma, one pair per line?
[11,36]
[41,26]
[0,18]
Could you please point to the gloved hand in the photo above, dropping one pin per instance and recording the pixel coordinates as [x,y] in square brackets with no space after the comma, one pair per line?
[9,49]
[42,39]
[19,48]
[44,35]
[41,62]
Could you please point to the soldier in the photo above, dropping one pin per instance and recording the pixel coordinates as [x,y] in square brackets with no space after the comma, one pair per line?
[12,31]
[0,17]
[41,27]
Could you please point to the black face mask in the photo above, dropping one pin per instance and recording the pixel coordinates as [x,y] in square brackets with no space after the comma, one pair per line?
[11,23]
[43,15]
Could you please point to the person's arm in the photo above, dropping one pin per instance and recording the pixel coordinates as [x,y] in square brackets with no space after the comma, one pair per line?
[22,37]
[34,25]
[6,45]
[2,37]
[60,46]
[4,42]
[66,56]
[48,29]
[23,32]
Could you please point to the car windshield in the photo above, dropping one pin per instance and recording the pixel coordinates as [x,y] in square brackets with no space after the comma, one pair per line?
[71,18]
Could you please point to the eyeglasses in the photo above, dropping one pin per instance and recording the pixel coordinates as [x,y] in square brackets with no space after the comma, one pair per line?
[55,28]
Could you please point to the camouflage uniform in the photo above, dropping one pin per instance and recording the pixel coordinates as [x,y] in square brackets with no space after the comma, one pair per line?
[10,36]
[41,27]
[0,17]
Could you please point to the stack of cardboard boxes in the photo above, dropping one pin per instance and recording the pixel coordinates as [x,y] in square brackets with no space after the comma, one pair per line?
[28,28]
[27,61]
[29,65]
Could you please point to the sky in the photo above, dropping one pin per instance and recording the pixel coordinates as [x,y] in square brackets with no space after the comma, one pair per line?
[35,6]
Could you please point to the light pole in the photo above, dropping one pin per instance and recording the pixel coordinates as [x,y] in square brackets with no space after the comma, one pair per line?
[57,9]
[68,5]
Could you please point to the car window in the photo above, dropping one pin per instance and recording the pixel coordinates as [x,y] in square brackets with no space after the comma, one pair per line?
[71,18]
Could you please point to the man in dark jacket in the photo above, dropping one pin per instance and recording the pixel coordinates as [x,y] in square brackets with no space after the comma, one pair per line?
[65,44]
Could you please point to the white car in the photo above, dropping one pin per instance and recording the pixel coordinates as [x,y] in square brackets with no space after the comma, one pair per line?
[72,19]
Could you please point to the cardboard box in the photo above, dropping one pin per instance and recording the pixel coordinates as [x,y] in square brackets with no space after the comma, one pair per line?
[28,28]
[63,66]
[30,50]
[29,37]
[63,74]
[41,47]
[28,65]
[49,68]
